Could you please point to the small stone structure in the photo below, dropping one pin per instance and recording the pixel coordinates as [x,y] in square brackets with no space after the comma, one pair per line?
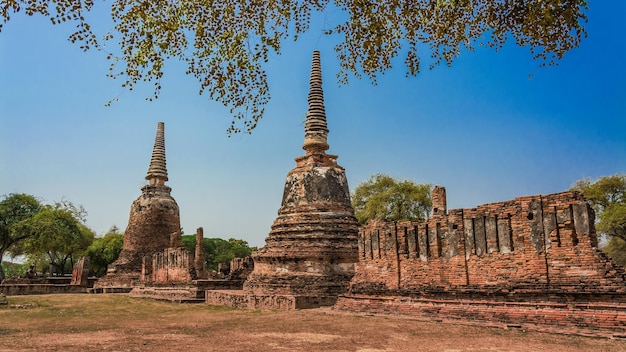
[199,264]
[172,266]
[240,268]
[41,285]
[532,261]
[309,256]
[153,225]
[80,272]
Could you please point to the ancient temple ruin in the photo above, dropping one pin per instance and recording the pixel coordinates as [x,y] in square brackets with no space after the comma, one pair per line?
[153,225]
[532,261]
[309,256]
[519,248]
[529,263]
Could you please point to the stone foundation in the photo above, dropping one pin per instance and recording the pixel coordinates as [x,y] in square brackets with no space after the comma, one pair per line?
[240,299]
[232,299]
[40,289]
[579,318]
[178,294]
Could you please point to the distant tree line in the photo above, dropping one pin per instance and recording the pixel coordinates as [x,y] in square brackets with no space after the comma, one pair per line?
[53,236]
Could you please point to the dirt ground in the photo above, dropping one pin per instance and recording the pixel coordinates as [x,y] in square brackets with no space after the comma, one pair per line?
[120,323]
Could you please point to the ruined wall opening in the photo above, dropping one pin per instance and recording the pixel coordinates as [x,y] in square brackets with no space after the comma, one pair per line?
[574,234]
[405,242]
[497,235]
[417,242]
[510,234]
[556,227]
[438,236]
[428,254]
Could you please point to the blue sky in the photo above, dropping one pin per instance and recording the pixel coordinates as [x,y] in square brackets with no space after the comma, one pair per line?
[491,127]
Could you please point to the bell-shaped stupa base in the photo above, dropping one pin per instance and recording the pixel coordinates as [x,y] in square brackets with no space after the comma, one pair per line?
[310,253]
[153,224]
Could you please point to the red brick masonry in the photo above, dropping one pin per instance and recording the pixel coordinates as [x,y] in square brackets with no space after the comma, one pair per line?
[531,261]
[590,319]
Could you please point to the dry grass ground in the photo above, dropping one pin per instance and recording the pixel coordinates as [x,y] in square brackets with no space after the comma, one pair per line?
[119,323]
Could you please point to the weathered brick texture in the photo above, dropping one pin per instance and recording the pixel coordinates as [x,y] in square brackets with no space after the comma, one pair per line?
[153,224]
[80,272]
[603,319]
[311,251]
[171,266]
[532,249]
[309,256]
[544,243]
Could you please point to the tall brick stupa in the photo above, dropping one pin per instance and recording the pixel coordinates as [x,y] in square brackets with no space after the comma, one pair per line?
[153,225]
[310,253]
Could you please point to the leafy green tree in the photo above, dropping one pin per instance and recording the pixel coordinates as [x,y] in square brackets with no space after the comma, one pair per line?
[226,42]
[56,233]
[14,269]
[105,250]
[15,209]
[217,250]
[607,196]
[616,249]
[387,198]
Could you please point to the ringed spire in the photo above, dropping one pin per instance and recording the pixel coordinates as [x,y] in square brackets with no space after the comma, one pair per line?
[157,171]
[315,128]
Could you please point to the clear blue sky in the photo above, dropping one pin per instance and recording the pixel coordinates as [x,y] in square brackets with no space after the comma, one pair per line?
[491,127]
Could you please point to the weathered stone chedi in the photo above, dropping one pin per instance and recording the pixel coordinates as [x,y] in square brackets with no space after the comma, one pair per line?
[153,225]
[309,256]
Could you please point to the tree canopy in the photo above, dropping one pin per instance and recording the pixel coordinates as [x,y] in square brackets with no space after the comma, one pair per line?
[217,250]
[226,42]
[104,251]
[15,210]
[387,198]
[56,232]
[607,196]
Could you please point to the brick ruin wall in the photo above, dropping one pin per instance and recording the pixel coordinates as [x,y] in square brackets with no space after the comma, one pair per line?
[171,266]
[544,244]
[532,262]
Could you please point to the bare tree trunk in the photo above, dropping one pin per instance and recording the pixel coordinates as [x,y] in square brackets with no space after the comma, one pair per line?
[2,250]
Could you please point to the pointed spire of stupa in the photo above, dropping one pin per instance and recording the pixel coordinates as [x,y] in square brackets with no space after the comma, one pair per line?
[157,172]
[315,128]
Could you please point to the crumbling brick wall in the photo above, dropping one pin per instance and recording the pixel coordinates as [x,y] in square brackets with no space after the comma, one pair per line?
[535,245]
[171,266]
[240,268]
